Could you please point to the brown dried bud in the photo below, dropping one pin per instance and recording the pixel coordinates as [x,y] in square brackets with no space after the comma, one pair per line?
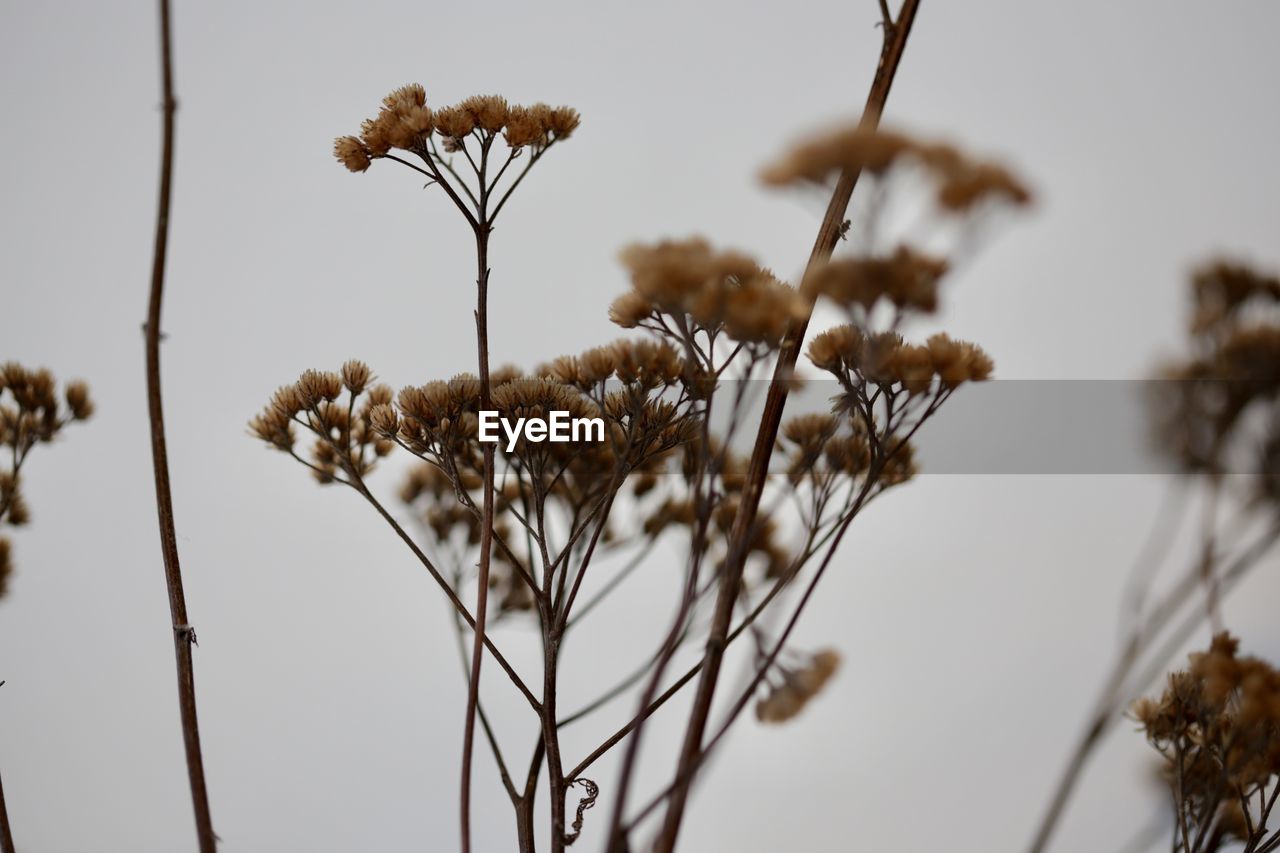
[352,153]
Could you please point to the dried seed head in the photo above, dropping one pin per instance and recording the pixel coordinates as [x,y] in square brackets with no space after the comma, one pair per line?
[77,394]
[352,153]
[850,148]
[6,566]
[525,127]
[965,188]
[1223,287]
[454,122]
[488,112]
[384,421]
[906,278]
[356,375]
[629,309]
[597,364]
[273,429]
[316,385]
[17,514]
[405,98]
[380,395]
[813,429]
[798,687]
[561,122]
[374,133]
[837,349]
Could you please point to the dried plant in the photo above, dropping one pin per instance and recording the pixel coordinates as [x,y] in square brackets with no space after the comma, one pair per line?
[1215,415]
[31,413]
[526,520]
[1217,726]
[543,490]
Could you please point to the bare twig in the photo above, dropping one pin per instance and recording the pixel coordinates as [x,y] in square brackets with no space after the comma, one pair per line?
[183,635]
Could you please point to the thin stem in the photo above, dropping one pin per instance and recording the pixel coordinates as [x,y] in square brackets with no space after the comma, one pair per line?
[456,602]
[865,494]
[744,522]
[688,676]
[622,574]
[484,720]
[1143,636]
[622,686]
[486,523]
[405,162]
[448,167]
[502,202]
[684,614]
[6,833]
[184,636]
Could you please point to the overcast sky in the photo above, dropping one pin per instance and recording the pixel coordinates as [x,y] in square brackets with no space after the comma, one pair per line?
[330,694]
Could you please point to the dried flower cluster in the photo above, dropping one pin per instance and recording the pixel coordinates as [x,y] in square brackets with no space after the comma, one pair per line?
[407,123]
[962,182]
[795,687]
[712,292]
[346,440]
[1218,410]
[31,413]
[1217,725]
[885,360]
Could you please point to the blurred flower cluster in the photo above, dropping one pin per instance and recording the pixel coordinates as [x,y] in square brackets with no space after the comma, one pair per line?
[1217,410]
[1217,726]
[31,413]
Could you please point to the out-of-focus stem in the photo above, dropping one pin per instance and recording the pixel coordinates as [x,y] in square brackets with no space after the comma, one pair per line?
[896,33]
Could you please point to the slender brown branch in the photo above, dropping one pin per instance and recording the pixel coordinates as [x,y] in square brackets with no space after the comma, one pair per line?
[744,522]
[184,636]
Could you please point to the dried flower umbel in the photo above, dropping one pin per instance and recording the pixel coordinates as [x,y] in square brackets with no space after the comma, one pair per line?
[31,413]
[1217,726]
[552,529]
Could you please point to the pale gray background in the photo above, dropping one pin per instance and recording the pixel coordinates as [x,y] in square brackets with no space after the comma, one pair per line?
[974,612]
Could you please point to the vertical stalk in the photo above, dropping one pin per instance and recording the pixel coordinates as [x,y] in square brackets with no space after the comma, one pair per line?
[6,834]
[486,531]
[524,825]
[551,735]
[183,634]
[483,229]
[525,805]
[895,33]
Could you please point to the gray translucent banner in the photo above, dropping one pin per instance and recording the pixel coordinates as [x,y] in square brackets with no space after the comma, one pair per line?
[1014,426]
